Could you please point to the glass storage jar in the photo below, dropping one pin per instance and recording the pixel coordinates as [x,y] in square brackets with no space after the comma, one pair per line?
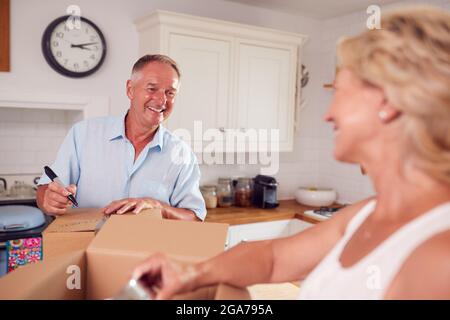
[210,196]
[243,194]
[224,192]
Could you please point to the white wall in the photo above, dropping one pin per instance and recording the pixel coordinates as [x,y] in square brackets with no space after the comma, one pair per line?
[311,163]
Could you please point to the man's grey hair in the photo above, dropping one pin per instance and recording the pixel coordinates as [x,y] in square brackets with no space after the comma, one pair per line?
[149,58]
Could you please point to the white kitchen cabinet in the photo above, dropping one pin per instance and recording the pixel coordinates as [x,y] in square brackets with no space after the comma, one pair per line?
[205,84]
[235,77]
[265,90]
[264,231]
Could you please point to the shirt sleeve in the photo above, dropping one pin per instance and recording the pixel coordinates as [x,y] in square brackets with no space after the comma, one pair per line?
[186,193]
[66,165]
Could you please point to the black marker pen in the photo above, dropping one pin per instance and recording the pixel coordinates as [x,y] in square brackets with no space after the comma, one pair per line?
[49,172]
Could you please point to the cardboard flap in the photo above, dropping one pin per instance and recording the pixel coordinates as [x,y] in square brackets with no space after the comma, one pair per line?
[76,220]
[91,219]
[47,279]
[56,244]
[140,234]
[125,241]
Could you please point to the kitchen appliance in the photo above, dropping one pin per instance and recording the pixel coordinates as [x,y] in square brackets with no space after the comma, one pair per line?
[20,193]
[21,233]
[3,187]
[315,197]
[323,213]
[265,192]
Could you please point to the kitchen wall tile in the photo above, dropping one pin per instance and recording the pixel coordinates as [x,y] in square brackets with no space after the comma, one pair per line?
[37,115]
[36,144]
[26,158]
[52,129]
[56,142]
[11,143]
[59,116]
[8,158]
[10,114]
[44,158]
[26,142]
[17,129]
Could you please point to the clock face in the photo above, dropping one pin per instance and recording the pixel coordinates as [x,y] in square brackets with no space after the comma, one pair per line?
[72,51]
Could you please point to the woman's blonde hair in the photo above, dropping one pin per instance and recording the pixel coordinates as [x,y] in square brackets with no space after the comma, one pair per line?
[409,58]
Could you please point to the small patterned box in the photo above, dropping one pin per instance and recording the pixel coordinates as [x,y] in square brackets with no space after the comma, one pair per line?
[20,252]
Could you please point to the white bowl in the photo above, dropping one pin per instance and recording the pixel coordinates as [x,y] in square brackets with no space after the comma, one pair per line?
[315,197]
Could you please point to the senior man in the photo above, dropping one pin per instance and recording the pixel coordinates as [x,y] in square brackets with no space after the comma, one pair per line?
[131,162]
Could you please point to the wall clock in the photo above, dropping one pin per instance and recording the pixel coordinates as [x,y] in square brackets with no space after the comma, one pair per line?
[74,49]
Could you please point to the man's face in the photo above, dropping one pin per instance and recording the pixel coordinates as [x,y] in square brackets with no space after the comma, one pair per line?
[152,92]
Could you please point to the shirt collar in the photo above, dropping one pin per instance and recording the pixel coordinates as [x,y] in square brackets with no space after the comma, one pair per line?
[158,138]
[118,131]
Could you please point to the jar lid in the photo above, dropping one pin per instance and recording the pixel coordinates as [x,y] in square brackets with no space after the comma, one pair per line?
[208,188]
[244,179]
[224,180]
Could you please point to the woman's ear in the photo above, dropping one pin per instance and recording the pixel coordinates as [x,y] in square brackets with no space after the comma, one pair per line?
[387,112]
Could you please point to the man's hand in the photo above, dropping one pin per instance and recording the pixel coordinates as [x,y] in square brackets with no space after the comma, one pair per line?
[164,277]
[132,204]
[52,198]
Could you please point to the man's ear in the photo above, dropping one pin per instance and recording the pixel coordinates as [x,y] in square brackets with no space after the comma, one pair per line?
[130,92]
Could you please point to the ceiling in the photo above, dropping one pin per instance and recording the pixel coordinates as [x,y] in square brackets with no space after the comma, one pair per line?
[318,9]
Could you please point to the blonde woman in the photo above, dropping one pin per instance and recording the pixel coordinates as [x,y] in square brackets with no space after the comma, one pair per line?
[391,114]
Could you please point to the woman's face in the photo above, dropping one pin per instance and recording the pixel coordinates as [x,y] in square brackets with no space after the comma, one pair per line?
[354,113]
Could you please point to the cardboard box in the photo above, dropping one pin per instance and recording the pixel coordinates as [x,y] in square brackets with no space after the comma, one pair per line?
[100,271]
[57,244]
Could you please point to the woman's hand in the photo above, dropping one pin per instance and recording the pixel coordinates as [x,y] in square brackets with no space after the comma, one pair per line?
[132,204]
[164,277]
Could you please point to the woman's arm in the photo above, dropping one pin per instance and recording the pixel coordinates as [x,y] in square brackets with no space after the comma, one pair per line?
[278,260]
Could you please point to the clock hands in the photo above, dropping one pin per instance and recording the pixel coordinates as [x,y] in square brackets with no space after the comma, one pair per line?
[83,45]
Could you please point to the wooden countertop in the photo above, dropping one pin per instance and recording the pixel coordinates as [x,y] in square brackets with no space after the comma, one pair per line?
[288,209]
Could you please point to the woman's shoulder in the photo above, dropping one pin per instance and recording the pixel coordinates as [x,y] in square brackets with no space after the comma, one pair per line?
[347,213]
[426,272]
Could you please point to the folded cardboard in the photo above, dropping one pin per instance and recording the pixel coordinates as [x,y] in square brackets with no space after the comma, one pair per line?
[87,219]
[100,271]
[59,243]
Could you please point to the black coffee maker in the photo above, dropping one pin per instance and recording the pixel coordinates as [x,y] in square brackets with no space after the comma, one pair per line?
[265,192]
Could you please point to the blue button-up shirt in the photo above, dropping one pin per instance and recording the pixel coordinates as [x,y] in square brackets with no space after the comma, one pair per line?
[98,157]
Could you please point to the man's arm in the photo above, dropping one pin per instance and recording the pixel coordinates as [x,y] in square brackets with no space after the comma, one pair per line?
[186,195]
[51,198]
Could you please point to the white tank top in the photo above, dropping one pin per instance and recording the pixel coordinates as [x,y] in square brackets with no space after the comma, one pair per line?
[371,276]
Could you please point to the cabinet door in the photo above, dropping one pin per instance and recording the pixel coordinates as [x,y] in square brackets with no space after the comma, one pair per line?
[205,84]
[266,90]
